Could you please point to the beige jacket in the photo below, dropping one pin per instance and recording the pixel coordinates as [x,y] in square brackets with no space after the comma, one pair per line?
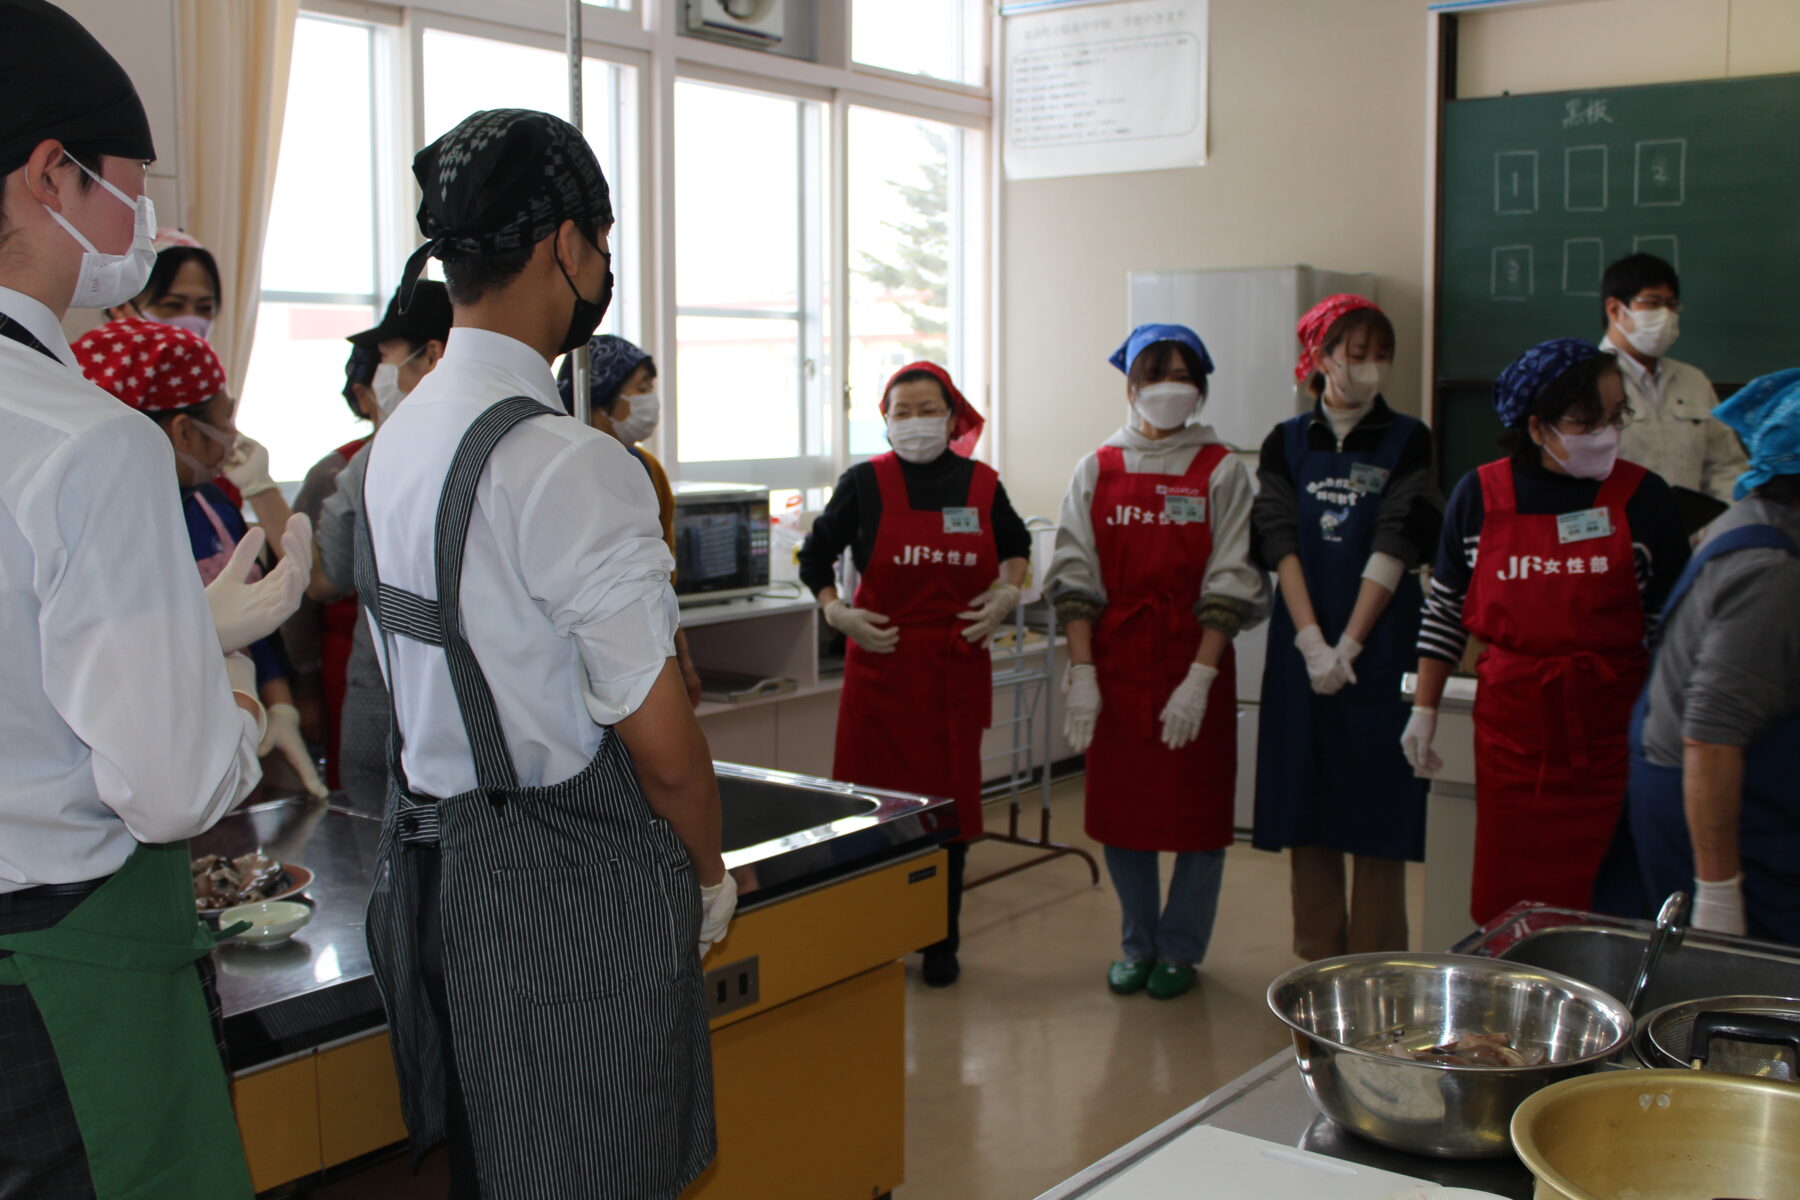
[1673,431]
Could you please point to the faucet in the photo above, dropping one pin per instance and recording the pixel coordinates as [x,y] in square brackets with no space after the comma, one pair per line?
[1668,934]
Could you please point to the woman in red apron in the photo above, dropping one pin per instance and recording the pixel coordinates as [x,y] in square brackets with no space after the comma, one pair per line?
[1553,557]
[941,555]
[1152,579]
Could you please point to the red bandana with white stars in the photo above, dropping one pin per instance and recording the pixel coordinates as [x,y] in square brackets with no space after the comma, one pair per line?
[152,367]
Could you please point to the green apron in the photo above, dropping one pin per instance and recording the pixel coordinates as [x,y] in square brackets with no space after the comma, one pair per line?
[116,985]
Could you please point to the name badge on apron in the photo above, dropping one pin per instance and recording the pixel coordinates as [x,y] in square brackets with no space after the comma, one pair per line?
[1184,510]
[1584,526]
[1367,477]
[962,520]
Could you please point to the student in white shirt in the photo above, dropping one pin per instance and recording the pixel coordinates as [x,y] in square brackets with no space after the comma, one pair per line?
[1672,430]
[121,732]
[550,872]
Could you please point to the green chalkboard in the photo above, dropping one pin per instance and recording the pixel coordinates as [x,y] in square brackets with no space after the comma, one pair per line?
[1540,192]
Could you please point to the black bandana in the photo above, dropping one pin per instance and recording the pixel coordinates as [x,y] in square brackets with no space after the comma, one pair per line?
[504,179]
[61,83]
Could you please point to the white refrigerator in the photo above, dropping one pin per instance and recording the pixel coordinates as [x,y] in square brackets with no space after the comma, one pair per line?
[1246,317]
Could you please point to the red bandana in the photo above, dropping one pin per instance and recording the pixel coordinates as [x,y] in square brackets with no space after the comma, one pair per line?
[969,423]
[1318,322]
[152,367]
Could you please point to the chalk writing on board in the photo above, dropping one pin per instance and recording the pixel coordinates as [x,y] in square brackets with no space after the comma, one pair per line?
[1513,273]
[1582,260]
[1584,178]
[1579,113]
[1665,246]
[1661,173]
[1516,181]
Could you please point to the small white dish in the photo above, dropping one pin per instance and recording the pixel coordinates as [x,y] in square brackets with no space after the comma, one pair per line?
[272,922]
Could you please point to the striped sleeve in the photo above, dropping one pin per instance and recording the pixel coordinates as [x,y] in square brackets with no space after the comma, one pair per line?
[1442,634]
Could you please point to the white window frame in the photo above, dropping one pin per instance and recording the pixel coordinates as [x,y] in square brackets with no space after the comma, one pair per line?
[648,35]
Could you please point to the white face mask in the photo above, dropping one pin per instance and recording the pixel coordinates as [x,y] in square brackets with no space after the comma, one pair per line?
[1356,384]
[203,473]
[197,325]
[645,408]
[1653,331]
[1167,405]
[386,386]
[1589,455]
[919,439]
[109,279]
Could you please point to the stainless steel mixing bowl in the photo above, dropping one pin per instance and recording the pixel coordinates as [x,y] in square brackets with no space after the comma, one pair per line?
[1337,1006]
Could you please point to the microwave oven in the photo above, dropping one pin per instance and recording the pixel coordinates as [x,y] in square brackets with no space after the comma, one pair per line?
[721,541]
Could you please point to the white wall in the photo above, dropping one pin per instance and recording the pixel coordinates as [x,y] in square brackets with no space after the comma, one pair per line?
[1318,155]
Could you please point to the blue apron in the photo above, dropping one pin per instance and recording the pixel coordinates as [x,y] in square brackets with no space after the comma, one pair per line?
[1329,769]
[1769,824]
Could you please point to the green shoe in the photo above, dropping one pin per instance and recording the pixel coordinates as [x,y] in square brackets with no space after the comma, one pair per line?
[1169,980]
[1124,978]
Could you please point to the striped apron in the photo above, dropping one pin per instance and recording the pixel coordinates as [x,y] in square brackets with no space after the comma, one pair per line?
[570,921]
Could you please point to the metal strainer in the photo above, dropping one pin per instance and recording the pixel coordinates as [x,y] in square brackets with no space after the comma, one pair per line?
[1745,1035]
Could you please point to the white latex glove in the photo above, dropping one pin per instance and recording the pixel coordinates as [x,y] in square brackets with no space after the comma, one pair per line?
[1186,708]
[988,610]
[283,736]
[717,904]
[1719,907]
[1416,741]
[862,627]
[1081,708]
[1328,675]
[245,612]
[247,466]
[242,673]
[1347,650]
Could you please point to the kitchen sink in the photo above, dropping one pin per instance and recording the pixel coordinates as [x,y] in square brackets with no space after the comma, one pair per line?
[1609,959]
[1607,952]
[760,810]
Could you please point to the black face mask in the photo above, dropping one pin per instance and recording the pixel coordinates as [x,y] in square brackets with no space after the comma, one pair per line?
[587,314]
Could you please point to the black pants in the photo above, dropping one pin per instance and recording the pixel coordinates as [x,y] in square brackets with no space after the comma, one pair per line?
[959,860]
[464,1182]
[41,1152]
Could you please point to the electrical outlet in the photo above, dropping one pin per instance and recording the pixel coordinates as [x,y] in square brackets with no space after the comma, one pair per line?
[733,986]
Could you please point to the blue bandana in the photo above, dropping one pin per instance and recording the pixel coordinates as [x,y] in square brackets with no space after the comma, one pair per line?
[1528,374]
[611,360]
[1146,336]
[1766,413]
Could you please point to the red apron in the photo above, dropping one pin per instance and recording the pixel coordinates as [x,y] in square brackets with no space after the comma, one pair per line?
[912,720]
[1153,534]
[1564,623]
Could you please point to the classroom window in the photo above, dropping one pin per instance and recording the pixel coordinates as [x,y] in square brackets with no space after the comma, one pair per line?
[917,259]
[320,267]
[940,39]
[748,283]
[464,74]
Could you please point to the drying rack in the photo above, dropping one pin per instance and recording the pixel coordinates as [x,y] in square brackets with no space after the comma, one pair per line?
[1032,726]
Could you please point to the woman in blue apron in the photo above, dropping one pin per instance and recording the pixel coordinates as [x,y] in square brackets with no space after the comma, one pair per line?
[1347,508]
[1713,807]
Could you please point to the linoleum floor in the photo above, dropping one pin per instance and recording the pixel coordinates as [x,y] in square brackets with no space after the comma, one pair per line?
[1028,1069]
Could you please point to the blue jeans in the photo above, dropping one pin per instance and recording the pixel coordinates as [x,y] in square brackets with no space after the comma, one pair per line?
[1179,931]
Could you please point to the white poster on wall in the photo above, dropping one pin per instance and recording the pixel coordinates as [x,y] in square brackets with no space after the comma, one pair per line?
[1097,88]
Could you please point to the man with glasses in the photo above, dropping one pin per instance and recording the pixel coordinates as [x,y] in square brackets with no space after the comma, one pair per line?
[1672,430]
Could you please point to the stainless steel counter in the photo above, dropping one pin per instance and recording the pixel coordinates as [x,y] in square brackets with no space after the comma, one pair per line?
[1269,1101]
[783,833]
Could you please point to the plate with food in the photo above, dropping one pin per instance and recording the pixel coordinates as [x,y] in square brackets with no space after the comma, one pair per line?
[221,882]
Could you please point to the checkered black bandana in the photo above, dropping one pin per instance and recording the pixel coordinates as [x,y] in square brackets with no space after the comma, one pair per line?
[504,179]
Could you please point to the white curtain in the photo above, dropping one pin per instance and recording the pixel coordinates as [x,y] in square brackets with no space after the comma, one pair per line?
[234,61]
